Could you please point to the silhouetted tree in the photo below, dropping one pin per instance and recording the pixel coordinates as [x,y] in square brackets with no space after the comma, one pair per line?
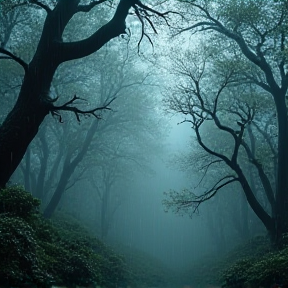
[212,91]
[258,32]
[34,101]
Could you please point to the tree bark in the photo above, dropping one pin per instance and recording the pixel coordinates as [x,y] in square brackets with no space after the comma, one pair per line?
[253,202]
[281,218]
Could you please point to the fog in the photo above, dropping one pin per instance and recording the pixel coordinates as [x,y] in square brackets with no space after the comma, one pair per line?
[142,223]
[164,139]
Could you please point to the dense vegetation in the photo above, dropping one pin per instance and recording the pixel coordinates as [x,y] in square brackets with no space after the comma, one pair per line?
[40,253]
[33,251]
[252,264]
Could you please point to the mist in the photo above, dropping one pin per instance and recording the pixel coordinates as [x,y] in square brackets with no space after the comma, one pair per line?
[143,144]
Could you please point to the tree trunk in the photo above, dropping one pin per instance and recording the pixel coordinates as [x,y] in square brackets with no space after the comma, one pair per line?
[65,176]
[33,103]
[104,215]
[43,166]
[27,170]
[281,219]
[244,216]
[253,202]
[22,123]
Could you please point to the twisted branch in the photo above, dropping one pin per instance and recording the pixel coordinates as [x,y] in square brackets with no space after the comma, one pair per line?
[66,107]
[14,57]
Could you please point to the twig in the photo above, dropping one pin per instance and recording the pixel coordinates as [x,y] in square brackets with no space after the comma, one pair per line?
[66,107]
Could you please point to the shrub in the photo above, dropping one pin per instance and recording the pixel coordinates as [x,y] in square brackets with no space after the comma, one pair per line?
[16,201]
[264,271]
[36,253]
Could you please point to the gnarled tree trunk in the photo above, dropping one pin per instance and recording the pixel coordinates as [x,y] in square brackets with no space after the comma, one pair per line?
[33,104]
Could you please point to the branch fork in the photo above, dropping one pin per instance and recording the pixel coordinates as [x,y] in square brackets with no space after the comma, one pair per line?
[67,107]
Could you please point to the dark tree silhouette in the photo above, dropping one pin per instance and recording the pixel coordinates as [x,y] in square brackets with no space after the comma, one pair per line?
[34,101]
[259,31]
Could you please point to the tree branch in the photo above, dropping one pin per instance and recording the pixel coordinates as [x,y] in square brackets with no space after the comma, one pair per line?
[115,27]
[42,5]
[206,168]
[90,6]
[35,2]
[77,111]
[15,58]
[262,175]
[187,199]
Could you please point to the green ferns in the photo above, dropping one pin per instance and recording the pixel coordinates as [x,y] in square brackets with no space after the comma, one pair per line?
[36,253]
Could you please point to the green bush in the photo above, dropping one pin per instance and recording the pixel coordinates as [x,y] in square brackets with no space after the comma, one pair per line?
[265,271]
[37,253]
[18,253]
[17,202]
[242,266]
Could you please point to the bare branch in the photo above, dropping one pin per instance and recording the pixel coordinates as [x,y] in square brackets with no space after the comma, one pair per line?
[34,2]
[217,186]
[66,107]
[88,7]
[42,5]
[15,58]
[162,15]
[201,24]
[140,17]
[186,199]
[206,167]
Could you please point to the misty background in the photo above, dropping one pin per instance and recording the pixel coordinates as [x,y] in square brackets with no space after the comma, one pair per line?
[158,142]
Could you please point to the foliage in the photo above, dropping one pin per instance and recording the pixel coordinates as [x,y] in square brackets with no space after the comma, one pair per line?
[19,248]
[36,252]
[18,252]
[263,271]
[107,266]
[213,269]
[16,202]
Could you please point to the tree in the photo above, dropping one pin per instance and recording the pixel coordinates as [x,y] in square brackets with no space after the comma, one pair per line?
[259,31]
[34,101]
[212,91]
[61,155]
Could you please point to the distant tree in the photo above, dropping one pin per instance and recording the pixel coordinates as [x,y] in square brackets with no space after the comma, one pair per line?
[34,101]
[112,175]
